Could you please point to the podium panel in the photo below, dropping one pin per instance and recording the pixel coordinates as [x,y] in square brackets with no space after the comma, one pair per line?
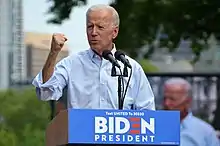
[130,127]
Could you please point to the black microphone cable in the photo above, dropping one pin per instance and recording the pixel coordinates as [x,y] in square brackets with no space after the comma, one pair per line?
[122,92]
[119,55]
[126,88]
[109,56]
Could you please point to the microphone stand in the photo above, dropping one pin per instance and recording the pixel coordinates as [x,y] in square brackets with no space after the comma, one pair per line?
[120,80]
[120,94]
[125,71]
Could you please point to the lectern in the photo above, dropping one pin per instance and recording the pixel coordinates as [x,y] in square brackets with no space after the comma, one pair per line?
[138,127]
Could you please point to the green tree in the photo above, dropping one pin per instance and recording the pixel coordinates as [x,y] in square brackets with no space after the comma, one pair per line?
[147,66]
[23,118]
[62,9]
[141,20]
[7,138]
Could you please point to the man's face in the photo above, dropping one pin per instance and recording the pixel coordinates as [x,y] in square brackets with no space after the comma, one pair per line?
[176,98]
[101,30]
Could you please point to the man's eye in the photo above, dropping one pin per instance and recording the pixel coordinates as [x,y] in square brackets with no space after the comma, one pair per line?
[101,27]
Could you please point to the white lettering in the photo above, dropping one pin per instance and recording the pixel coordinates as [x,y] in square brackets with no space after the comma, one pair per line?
[130,138]
[144,138]
[111,125]
[97,137]
[117,137]
[149,126]
[100,125]
[104,137]
[111,138]
[120,113]
[123,138]
[152,138]
[115,129]
[137,138]
[118,129]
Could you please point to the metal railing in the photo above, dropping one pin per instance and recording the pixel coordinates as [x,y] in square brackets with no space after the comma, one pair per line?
[205,91]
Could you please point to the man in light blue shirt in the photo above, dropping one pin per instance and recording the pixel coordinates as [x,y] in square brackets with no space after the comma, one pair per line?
[194,131]
[87,75]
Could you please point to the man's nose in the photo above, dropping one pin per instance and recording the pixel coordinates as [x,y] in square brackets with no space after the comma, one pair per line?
[94,31]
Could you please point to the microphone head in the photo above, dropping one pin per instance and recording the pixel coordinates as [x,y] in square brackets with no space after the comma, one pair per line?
[105,54]
[118,53]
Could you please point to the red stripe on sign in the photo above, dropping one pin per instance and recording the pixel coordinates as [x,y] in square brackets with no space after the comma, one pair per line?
[135,125]
[134,119]
[134,132]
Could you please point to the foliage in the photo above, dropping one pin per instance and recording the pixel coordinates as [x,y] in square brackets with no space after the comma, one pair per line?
[23,118]
[147,66]
[62,9]
[142,19]
[7,138]
[175,19]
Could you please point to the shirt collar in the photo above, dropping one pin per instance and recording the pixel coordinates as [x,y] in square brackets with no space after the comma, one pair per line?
[186,119]
[93,55]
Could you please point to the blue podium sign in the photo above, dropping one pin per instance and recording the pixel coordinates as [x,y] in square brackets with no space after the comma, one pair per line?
[124,127]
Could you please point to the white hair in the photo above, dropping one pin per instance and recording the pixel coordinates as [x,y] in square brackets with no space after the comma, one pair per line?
[180,81]
[105,7]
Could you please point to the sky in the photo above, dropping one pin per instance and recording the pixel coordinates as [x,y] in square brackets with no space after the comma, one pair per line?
[35,18]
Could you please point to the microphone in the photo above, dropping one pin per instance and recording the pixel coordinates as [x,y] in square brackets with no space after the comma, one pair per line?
[108,56]
[119,55]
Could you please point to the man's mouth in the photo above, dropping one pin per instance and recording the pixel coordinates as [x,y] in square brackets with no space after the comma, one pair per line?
[94,41]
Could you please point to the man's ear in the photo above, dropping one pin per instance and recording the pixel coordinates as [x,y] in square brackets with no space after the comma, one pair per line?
[115,32]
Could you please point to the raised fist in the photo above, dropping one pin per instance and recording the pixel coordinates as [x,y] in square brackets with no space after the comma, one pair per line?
[58,41]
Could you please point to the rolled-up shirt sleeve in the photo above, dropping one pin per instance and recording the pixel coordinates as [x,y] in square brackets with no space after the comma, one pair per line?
[53,88]
[144,96]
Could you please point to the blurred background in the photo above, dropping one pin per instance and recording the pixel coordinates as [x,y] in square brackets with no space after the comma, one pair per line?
[167,37]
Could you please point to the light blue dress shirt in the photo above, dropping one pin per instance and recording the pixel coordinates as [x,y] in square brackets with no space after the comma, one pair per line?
[195,132]
[90,84]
